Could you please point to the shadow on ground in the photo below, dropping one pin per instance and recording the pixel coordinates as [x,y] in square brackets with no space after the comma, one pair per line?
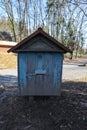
[74,87]
[8,81]
[67,112]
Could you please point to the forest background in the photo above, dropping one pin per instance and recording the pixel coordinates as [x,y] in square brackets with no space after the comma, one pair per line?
[65,20]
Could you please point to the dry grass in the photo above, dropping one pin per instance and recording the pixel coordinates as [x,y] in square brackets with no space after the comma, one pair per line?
[75,60]
[77,80]
[8,60]
[84,79]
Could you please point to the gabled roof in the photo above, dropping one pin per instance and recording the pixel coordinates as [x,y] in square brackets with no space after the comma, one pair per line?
[39,31]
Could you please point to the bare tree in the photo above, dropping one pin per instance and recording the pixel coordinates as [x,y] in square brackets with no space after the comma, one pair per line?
[9,10]
[63,19]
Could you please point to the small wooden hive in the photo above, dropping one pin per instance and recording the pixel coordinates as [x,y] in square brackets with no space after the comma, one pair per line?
[40,59]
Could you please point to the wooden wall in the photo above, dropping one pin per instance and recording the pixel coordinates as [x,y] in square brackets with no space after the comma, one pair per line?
[40,73]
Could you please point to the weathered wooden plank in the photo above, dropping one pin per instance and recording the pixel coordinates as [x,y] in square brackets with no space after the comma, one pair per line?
[31,63]
[40,44]
[38,50]
[22,69]
[47,83]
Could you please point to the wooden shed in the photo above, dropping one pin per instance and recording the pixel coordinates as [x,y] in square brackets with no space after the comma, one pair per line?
[40,59]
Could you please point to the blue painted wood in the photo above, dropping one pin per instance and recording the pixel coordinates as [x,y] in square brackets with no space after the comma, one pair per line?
[40,73]
[22,71]
[58,59]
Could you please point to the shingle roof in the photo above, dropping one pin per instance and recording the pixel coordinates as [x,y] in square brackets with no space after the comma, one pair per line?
[43,33]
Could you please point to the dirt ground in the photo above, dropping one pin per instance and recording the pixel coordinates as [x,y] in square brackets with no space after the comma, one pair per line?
[67,112]
[78,59]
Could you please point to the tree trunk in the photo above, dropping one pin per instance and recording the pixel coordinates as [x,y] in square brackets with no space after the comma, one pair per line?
[71,56]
